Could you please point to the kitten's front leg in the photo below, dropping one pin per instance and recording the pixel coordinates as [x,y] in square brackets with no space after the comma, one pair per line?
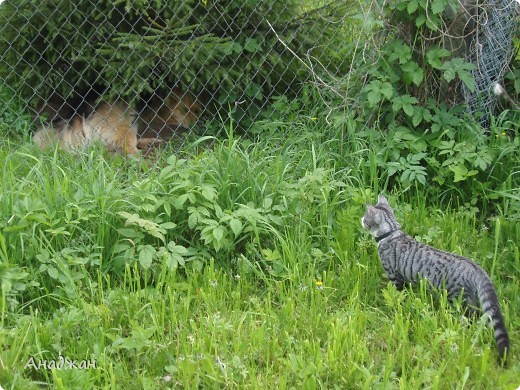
[397,280]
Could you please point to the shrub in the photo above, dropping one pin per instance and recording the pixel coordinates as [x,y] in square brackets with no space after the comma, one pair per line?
[406,90]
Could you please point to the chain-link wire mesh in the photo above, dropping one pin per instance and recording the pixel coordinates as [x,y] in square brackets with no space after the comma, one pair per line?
[165,69]
[491,51]
[160,68]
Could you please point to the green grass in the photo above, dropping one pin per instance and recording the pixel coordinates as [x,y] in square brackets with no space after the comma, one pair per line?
[243,265]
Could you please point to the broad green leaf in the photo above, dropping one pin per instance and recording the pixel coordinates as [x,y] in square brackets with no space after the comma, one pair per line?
[271,255]
[420,20]
[468,80]
[387,90]
[483,160]
[121,247]
[412,73]
[457,67]
[218,233]
[374,97]
[52,271]
[179,201]
[130,233]
[405,103]
[236,226]
[194,218]
[461,172]
[177,248]
[376,90]
[421,114]
[146,254]
[373,90]
[421,178]
[412,7]
[435,55]
[400,51]
[438,6]
[168,225]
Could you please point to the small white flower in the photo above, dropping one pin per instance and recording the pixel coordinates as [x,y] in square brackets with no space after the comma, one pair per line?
[213,283]
[191,339]
[498,89]
[237,277]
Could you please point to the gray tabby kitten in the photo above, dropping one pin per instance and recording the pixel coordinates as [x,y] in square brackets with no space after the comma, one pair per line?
[407,261]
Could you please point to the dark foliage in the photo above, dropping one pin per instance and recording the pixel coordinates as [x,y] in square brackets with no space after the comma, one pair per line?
[227,48]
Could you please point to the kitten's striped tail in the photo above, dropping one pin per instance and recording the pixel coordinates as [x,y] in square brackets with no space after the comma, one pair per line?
[491,308]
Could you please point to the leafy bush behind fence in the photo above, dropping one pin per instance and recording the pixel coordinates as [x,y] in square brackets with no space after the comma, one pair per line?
[228,53]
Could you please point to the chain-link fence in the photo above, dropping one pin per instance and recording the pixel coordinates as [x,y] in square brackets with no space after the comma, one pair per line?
[166,68]
[491,49]
[163,67]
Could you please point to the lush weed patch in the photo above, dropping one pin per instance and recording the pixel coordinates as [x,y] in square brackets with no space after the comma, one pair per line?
[242,264]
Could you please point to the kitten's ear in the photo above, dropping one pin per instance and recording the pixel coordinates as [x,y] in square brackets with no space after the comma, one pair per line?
[382,200]
[374,213]
[371,209]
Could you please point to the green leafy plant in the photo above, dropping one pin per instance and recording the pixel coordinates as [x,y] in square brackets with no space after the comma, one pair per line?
[412,91]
